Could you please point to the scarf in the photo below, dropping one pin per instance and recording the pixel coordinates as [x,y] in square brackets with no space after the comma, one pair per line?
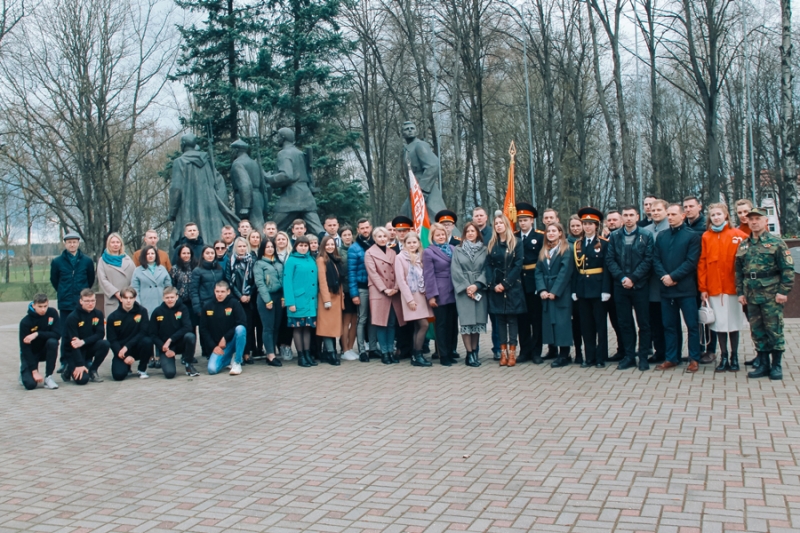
[333,275]
[471,248]
[113,260]
[719,228]
[366,244]
[152,268]
[414,278]
[209,265]
[446,249]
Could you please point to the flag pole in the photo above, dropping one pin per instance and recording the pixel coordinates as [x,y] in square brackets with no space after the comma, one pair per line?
[528,101]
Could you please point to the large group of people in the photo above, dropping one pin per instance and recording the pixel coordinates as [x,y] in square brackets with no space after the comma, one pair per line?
[383,293]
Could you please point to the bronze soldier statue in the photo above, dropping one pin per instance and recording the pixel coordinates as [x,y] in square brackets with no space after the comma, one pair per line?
[425,166]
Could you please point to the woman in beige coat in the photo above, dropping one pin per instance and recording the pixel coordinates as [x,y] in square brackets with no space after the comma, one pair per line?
[330,302]
[114,272]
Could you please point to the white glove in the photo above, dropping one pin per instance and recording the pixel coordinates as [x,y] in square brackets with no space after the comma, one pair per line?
[574,297]
[605,297]
[327,305]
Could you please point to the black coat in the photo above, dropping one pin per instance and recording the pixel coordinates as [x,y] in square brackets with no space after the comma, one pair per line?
[197,246]
[591,285]
[531,246]
[68,281]
[635,262]
[698,226]
[504,266]
[203,281]
[557,279]
[677,253]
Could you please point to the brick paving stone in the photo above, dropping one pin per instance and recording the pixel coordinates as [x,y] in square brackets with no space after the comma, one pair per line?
[365,447]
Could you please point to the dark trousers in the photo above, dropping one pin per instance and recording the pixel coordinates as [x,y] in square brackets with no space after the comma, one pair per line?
[404,339]
[629,301]
[257,336]
[508,329]
[270,322]
[93,356]
[446,321]
[62,316]
[30,357]
[611,308]
[141,351]
[657,332]
[594,329]
[530,328]
[576,332]
[495,334]
[251,338]
[184,348]
[671,310]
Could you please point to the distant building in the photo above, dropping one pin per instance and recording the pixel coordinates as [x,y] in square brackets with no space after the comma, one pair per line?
[768,203]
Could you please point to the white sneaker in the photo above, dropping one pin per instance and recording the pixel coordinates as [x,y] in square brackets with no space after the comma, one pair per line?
[49,383]
[236,369]
[143,375]
[349,355]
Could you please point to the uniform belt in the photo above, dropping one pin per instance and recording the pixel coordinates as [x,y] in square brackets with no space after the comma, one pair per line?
[761,275]
[529,267]
[590,271]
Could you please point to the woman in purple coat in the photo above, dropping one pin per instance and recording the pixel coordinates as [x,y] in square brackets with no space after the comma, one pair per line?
[439,290]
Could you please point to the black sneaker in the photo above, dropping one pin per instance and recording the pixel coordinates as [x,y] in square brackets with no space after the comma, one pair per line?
[190,371]
[363,357]
[275,362]
[66,375]
[94,377]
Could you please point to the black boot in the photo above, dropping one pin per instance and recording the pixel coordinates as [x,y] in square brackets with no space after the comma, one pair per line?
[537,360]
[643,364]
[337,361]
[552,353]
[472,359]
[301,359]
[393,358]
[310,358]
[734,364]
[417,359]
[723,363]
[626,363]
[776,372]
[385,359]
[445,360]
[761,366]
[363,357]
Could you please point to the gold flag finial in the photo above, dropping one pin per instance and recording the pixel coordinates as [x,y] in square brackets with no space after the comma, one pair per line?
[512,150]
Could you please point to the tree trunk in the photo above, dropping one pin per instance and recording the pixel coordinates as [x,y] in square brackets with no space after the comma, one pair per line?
[790,224]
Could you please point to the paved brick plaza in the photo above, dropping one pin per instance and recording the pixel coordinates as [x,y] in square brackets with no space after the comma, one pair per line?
[365,447]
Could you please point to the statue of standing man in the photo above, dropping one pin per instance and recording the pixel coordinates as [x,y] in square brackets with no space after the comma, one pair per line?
[293,176]
[250,191]
[425,166]
[197,193]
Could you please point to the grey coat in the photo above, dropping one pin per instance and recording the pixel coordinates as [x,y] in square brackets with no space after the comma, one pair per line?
[111,280]
[150,286]
[466,272]
[556,278]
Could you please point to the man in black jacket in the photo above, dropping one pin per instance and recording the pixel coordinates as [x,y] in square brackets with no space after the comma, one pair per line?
[83,336]
[70,273]
[222,325]
[677,252]
[128,333]
[172,333]
[39,332]
[191,237]
[629,260]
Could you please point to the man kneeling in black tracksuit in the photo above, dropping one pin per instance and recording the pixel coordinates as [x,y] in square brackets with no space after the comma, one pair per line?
[39,332]
[172,333]
[83,341]
[128,333]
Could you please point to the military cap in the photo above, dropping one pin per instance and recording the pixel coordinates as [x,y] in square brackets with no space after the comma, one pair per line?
[757,212]
[445,215]
[524,209]
[238,143]
[72,235]
[402,222]
[590,214]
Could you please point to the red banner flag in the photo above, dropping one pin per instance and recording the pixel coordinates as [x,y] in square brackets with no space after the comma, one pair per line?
[419,211]
[510,203]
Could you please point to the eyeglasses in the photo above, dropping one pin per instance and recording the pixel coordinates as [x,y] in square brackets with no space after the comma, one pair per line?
[219,247]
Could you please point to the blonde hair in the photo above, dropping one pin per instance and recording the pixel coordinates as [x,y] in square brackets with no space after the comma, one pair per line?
[434,228]
[288,241]
[508,236]
[380,229]
[236,243]
[724,209]
[121,242]
[415,256]
[563,244]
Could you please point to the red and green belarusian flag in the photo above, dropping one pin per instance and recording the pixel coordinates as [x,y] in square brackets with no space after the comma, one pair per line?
[419,211]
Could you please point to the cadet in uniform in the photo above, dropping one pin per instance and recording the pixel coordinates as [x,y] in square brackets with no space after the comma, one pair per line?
[592,288]
[764,277]
[404,338]
[448,219]
[530,323]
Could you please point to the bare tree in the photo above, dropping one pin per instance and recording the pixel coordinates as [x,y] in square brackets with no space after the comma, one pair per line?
[77,101]
[789,202]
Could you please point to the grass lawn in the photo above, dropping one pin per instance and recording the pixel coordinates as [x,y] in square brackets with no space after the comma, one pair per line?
[19,279]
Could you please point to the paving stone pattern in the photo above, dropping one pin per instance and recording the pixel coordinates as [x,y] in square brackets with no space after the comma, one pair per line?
[366,447]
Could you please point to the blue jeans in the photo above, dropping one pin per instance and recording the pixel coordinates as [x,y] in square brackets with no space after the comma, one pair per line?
[671,309]
[386,333]
[237,344]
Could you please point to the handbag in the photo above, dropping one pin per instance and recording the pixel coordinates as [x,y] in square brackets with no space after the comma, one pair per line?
[706,314]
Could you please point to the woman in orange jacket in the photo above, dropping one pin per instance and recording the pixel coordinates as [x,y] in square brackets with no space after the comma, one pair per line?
[717,282]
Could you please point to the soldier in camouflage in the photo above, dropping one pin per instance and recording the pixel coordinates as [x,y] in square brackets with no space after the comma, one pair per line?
[764,277]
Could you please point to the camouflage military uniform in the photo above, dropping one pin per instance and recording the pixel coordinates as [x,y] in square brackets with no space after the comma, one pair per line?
[764,268]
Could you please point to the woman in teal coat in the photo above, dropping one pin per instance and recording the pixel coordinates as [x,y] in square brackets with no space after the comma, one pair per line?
[300,296]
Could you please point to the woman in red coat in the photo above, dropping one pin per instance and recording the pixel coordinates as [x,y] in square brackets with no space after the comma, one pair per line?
[717,282]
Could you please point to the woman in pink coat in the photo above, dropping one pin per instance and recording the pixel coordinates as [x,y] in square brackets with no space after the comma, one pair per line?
[385,308]
[408,272]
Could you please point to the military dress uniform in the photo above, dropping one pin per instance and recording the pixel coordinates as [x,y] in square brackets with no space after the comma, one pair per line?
[404,335]
[446,215]
[592,280]
[764,269]
[530,323]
